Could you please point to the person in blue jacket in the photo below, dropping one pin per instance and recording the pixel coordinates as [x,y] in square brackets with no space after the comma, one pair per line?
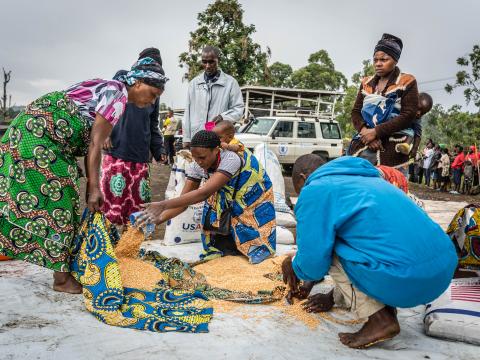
[380,248]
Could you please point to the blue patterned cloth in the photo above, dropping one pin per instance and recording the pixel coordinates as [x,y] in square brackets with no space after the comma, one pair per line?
[95,266]
[378,109]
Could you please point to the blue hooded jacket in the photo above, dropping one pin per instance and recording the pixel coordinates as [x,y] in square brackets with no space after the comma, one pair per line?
[389,247]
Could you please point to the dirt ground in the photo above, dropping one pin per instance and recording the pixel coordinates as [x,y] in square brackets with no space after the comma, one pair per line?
[161,173]
[426,193]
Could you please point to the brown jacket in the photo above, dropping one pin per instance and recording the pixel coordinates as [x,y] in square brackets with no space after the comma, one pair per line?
[405,86]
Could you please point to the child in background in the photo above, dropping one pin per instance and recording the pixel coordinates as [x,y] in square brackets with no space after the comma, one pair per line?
[444,170]
[410,146]
[457,168]
[468,177]
[226,132]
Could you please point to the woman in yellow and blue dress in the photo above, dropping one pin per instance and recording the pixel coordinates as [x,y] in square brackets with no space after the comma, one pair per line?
[235,184]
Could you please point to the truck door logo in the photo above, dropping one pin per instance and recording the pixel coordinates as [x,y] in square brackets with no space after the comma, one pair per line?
[282,149]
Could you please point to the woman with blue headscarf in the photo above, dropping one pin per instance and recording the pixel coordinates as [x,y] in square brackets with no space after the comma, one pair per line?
[125,180]
[39,180]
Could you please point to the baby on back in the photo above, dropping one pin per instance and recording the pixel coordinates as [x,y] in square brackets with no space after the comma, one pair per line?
[226,132]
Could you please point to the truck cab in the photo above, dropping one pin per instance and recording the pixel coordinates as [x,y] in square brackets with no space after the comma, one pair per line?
[291,137]
[292,122]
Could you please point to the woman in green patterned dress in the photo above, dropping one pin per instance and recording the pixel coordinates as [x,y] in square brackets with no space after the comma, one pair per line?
[39,181]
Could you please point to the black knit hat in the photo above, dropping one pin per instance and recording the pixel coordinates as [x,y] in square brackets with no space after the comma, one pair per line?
[205,139]
[390,45]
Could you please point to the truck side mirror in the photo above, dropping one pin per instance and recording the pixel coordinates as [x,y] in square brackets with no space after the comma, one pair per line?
[273,135]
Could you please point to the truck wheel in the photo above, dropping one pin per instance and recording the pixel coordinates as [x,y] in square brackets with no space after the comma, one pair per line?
[323,154]
[287,169]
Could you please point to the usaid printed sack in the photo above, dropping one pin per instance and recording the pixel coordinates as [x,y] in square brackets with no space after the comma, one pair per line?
[186,227]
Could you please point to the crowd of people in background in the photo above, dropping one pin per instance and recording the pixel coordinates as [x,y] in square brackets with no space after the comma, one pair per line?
[445,170]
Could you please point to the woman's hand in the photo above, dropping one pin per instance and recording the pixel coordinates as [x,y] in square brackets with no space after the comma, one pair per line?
[375,145]
[362,132]
[290,279]
[151,213]
[217,119]
[368,135]
[161,160]
[107,144]
[304,289]
[101,130]
[94,199]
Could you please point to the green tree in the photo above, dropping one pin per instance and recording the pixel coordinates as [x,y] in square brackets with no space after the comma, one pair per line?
[320,73]
[367,70]
[221,25]
[278,75]
[430,128]
[344,115]
[469,77]
[344,111]
[452,126]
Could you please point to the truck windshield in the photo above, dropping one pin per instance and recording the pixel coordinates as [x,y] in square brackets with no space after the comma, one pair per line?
[330,131]
[259,126]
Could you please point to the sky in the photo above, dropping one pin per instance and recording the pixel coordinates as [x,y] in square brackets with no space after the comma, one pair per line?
[51,44]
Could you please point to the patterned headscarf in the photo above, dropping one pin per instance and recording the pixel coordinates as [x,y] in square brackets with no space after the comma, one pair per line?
[390,45]
[146,69]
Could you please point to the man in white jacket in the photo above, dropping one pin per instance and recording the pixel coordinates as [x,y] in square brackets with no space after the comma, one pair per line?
[212,96]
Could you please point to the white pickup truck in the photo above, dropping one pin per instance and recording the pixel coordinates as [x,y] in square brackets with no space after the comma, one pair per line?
[292,122]
[291,137]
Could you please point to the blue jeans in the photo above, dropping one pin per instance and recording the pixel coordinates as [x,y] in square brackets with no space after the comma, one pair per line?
[457,176]
[428,176]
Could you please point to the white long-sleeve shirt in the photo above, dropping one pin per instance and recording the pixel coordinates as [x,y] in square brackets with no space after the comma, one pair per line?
[427,155]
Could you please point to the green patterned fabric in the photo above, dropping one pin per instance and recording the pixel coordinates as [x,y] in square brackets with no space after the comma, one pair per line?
[187,279]
[39,181]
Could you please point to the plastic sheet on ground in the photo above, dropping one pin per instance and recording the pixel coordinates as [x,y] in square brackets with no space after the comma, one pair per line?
[38,323]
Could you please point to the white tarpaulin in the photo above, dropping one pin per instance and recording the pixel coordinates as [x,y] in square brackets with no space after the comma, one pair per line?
[269,161]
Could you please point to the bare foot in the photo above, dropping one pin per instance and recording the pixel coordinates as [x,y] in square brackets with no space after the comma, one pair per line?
[319,303]
[381,326]
[65,282]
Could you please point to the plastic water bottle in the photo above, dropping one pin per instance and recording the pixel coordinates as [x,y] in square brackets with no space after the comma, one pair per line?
[147,229]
